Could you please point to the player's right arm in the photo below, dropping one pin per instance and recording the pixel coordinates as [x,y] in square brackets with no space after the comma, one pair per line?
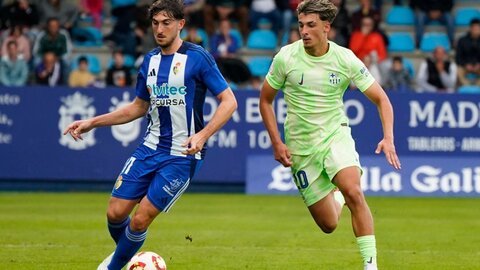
[280,150]
[136,109]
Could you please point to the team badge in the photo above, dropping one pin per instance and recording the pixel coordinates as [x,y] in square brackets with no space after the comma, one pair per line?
[176,68]
[334,79]
[119,182]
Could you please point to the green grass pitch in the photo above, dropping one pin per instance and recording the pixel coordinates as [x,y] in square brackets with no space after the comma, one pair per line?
[234,231]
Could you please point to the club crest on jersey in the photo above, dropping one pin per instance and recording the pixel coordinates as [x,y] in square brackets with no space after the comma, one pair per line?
[119,182]
[176,68]
[334,79]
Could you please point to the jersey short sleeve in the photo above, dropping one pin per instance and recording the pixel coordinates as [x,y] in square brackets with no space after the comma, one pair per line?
[359,73]
[276,74]
[211,75]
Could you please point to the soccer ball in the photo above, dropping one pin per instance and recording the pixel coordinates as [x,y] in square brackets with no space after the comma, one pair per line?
[146,260]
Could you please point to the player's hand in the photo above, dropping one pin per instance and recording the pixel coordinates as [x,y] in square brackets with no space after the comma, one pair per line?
[194,144]
[282,154]
[388,148]
[77,128]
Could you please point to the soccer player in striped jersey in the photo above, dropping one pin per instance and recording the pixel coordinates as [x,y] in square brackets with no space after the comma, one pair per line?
[314,74]
[171,88]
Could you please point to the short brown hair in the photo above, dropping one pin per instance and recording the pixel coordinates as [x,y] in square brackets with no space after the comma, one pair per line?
[173,8]
[325,9]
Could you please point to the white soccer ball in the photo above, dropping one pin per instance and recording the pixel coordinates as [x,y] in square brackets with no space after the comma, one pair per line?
[146,260]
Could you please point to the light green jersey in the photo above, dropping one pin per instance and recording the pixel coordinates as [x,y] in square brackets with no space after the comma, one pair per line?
[313,88]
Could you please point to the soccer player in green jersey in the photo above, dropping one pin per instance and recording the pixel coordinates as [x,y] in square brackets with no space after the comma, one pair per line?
[314,74]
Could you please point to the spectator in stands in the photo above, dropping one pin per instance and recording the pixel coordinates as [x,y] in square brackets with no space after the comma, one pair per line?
[225,10]
[193,10]
[119,74]
[123,34]
[81,77]
[333,35]
[265,9]
[20,12]
[437,74]
[468,55]
[13,68]
[21,40]
[65,12]
[92,8]
[53,39]
[367,41]
[371,63]
[433,10]
[366,10]
[341,24]
[224,48]
[144,40]
[398,78]
[194,37]
[50,71]
[286,17]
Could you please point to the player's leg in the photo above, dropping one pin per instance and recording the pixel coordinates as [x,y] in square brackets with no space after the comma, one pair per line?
[343,167]
[348,181]
[316,190]
[326,213]
[171,180]
[134,235]
[118,216]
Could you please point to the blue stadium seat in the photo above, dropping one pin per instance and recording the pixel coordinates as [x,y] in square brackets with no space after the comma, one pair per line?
[259,65]
[400,15]
[431,40]
[400,42]
[87,36]
[93,63]
[408,64]
[237,36]
[464,15]
[262,39]
[469,89]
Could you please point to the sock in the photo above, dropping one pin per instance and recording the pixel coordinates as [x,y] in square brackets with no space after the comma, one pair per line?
[116,229]
[128,244]
[368,249]
[338,196]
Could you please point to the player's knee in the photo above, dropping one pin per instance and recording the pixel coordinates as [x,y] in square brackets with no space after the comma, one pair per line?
[115,215]
[354,196]
[327,227]
[140,223]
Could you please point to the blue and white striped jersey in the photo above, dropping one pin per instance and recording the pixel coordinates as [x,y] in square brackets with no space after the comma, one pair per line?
[175,85]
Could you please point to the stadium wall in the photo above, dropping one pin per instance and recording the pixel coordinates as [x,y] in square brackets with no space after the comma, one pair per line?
[437,138]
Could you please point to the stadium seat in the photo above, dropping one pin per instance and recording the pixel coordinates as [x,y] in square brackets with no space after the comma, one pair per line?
[464,15]
[400,42]
[262,39]
[469,89]
[87,36]
[93,63]
[259,65]
[237,36]
[400,15]
[431,40]
[408,64]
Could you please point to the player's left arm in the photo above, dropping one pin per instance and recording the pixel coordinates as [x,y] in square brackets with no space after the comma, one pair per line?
[377,95]
[228,105]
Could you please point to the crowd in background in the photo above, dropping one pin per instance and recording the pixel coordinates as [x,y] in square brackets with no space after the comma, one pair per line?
[38,40]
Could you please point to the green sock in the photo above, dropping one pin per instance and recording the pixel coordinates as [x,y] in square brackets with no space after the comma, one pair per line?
[368,249]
